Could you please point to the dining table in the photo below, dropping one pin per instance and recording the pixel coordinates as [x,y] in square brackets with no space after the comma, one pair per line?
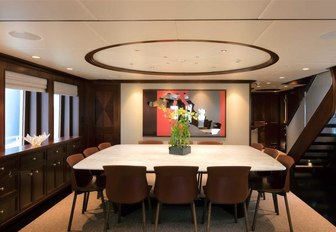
[203,156]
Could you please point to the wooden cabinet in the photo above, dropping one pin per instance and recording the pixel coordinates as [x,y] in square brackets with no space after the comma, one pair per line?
[9,204]
[55,168]
[29,177]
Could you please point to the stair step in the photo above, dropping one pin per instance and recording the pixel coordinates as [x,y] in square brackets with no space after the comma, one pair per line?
[327,135]
[332,143]
[330,125]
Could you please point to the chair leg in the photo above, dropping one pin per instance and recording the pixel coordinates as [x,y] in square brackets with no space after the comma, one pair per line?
[248,198]
[150,209]
[288,213]
[275,202]
[256,211]
[72,210]
[119,213]
[144,228]
[264,195]
[194,216]
[204,210]
[107,217]
[209,217]
[84,202]
[235,213]
[246,218]
[157,216]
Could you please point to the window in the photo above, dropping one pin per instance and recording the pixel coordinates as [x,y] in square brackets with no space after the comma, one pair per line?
[26,107]
[66,107]
[14,118]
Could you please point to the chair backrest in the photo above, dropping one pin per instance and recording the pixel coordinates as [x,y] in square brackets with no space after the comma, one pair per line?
[176,184]
[126,184]
[90,150]
[258,146]
[281,179]
[150,142]
[104,145]
[271,152]
[210,142]
[79,178]
[227,184]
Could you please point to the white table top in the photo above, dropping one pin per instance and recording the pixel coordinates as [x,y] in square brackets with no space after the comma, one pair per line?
[151,155]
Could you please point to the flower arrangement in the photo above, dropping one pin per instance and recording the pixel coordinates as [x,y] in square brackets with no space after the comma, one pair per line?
[180,119]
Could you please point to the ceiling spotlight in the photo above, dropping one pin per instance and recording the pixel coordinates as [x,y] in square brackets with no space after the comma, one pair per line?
[24,35]
[36,57]
[282,77]
[69,69]
[305,69]
[285,86]
[268,83]
[224,50]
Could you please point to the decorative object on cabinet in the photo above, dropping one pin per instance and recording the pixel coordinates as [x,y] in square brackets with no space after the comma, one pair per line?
[36,141]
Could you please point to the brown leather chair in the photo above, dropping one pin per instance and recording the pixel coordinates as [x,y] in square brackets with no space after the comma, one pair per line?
[210,142]
[176,185]
[82,181]
[150,142]
[90,150]
[126,185]
[271,152]
[104,145]
[278,184]
[227,185]
[258,146]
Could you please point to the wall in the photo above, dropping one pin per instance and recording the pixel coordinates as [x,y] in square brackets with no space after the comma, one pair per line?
[237,108]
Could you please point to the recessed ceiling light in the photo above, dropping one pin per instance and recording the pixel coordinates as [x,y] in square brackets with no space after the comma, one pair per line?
[285,86]
[69,69]
[305,69]
[282,77]
[268,83]
[224,50]
[24,35]
[136,50]
[36,57]
[258,86]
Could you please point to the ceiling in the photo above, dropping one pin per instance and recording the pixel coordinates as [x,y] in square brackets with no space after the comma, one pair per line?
[302,33]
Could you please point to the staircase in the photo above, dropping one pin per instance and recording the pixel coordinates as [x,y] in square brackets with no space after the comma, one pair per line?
[321,152]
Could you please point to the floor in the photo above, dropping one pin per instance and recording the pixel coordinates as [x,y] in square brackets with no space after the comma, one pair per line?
[317,188]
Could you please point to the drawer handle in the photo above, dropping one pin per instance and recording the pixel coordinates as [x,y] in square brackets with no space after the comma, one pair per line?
[36,171]
[30,174]
[54,164]
[2,168]
[2,189]
[34,158]
[58,162]
[2,211]
[57,151]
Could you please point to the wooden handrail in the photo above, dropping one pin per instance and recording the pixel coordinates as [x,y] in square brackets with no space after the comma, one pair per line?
[318,121]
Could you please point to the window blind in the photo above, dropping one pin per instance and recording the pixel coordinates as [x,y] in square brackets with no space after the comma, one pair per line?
[25,82]
[65,89]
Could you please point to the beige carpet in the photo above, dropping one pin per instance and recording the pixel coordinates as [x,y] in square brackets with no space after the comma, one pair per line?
[173,219]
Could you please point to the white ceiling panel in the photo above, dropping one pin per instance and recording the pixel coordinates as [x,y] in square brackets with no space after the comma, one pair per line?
[300,9]
[175,9]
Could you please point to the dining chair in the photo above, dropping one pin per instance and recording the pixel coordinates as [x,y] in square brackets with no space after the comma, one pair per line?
[271,152]
[176,185]
[210,142]
[150,142]
[258,146]
[226,185]
[126,185]
[90,150]
[278,183]
[104,145]
[82,181]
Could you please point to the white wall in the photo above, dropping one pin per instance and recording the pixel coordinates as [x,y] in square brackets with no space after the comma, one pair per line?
[237,110]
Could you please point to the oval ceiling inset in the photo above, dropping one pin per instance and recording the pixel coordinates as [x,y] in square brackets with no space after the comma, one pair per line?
[182,57]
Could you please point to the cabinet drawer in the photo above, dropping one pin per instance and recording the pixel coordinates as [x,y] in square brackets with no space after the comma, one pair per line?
[32,160]
[8,184]
[55,152]
[8,207]
[7,167]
